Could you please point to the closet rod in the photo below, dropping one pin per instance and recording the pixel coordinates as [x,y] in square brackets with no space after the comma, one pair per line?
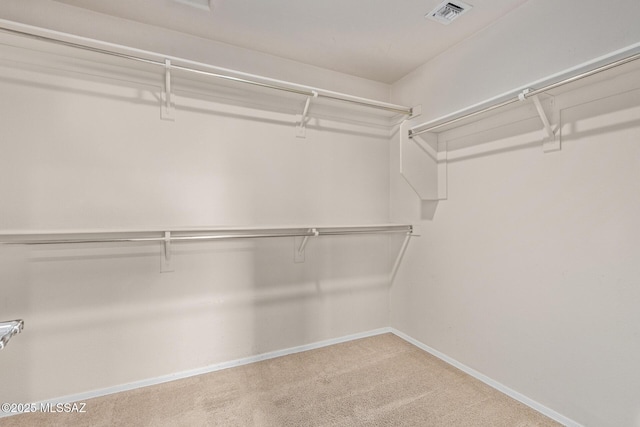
[306,92]
[18,239]
[527,94]
[149,239]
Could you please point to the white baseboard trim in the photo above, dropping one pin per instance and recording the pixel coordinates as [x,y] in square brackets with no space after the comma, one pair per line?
[205,370]
[490,382]
[298,349]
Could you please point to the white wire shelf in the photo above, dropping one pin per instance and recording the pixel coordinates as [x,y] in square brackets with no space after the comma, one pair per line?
[196,70]
[169,237]
[8,330]
[192,234]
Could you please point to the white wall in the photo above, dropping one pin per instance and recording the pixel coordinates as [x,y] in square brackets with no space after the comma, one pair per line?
[528,272]
[525,274]
[85,148]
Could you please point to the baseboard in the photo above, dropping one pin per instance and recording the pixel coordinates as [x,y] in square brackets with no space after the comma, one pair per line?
[312,346]
[205,370]
[490,382]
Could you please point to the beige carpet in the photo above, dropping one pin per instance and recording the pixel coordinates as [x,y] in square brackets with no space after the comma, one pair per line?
[377,381]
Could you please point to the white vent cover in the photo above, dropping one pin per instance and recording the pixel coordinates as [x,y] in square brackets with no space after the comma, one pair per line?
[447,11]
[198,4]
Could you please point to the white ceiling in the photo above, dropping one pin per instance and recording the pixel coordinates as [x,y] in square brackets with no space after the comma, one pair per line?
[382,40]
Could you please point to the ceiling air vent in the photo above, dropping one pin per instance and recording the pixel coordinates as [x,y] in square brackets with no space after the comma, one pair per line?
[198,4]
[447,11]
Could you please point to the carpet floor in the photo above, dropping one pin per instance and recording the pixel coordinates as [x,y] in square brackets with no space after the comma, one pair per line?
[376,381]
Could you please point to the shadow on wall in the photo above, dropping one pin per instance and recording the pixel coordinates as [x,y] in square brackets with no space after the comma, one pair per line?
[481,139]
[101,316]
[338,290]
[14,296]
[467,143]
[428,209]
[230,100]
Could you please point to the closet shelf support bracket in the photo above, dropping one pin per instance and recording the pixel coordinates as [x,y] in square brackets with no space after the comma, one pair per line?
[300,243]
[301,128]
[167,108]
[423,163]
[551,141]
[165,258]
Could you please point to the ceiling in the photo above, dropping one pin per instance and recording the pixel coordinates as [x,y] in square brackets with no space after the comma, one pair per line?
[381,40]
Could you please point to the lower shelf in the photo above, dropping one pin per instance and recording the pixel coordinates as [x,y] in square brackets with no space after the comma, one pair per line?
[8,330]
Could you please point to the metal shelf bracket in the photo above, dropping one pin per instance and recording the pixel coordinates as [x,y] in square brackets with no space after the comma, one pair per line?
[167,108]
[423,163]
[301,128]
[551,141]
[165,263]
[300,243]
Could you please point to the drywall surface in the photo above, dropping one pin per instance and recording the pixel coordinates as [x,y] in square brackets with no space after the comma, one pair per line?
[84,148]
[528,272]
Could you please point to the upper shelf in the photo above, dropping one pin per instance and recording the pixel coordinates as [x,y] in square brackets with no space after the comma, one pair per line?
[217,78]
[587,73]
[425,148]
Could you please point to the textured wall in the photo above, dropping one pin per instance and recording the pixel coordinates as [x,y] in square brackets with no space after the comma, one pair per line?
[528,272]
[84,148]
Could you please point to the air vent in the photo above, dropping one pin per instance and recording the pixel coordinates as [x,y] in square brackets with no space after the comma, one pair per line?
[198,4]
[447,11]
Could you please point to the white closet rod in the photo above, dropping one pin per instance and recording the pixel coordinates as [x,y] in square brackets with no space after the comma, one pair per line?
[524,95]
[301,91]
[206,234]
